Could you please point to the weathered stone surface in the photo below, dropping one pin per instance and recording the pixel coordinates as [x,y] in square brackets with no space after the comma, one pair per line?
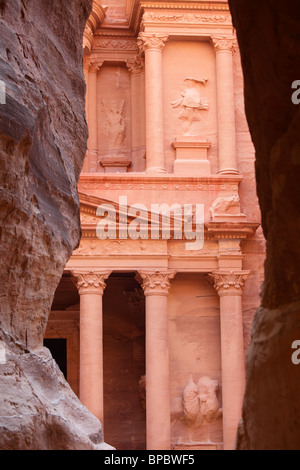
[43,137]
[270,53]
[38,409]
[268,34]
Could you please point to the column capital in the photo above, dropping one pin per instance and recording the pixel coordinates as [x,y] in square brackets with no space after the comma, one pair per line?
[224,43]
[148,41]
[229,282]
[135,65]
[156,282]
[95,65]
[90,282]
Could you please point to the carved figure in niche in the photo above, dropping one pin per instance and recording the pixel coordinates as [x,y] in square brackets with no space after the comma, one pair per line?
[200,403]
[115,126]
[226,205]
[191,104]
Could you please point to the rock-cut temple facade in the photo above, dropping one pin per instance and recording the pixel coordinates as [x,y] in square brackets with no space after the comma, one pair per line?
[152,318]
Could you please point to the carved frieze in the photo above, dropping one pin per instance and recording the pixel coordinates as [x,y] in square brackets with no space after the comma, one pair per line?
[185,18]
[121,247]
[120,44]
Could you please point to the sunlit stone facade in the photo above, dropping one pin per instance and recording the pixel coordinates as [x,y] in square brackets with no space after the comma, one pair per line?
[157,324]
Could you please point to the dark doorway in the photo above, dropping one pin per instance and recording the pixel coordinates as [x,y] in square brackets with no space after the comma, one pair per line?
[58,349]
[124,362]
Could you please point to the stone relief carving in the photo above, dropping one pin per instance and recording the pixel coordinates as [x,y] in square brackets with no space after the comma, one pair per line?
[226,205]
[90,282]
[189,18]
[191,103]
[229,283]
[224,43]
[200,403]
[156,282]
[120,44]
[151,41]
[135,65]
[114,125]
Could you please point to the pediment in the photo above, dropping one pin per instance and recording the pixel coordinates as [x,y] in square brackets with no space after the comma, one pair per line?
[239,229]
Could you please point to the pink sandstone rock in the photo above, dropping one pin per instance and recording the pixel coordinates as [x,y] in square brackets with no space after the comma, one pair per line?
[268,34]
[43,137]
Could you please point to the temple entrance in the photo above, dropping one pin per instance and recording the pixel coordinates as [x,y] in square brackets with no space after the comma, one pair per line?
[58,348]
[124,362]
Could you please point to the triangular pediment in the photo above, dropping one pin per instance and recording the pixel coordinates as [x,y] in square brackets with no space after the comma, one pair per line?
[121,215]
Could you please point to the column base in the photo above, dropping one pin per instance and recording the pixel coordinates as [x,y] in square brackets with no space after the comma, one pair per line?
[192,168]
[191,156]
[115,166]
[228,171]
[155,169]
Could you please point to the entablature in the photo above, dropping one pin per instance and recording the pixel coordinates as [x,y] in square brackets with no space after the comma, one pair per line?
[174,16]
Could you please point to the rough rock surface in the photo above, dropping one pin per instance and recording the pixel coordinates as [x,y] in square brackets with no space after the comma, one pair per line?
[269,40]
[43,136]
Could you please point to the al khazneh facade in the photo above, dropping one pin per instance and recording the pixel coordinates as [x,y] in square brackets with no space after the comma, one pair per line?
[160,318]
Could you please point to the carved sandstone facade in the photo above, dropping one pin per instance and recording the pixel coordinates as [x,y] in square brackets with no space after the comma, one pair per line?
[164,105]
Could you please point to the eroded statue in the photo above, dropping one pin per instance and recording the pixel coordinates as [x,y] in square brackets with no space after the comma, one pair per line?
[191,104]
[200,402]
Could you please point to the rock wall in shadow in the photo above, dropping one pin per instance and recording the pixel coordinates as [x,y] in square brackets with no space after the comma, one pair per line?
[43,135]
[269,40]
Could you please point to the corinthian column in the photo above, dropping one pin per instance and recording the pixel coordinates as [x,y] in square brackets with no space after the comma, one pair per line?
[156,287]
[224,47]
[229,286]
[90,287]
[152,45]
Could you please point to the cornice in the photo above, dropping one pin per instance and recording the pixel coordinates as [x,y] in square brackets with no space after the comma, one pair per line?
[182,5]
[159,178]
[237,231]
[136,8]
[177,7]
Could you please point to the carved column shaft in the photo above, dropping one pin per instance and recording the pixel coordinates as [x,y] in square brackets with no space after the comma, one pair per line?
[230,286]
[91,287]
[224,47]
[152,45]
[156,288]
[136,69]
[92,117]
